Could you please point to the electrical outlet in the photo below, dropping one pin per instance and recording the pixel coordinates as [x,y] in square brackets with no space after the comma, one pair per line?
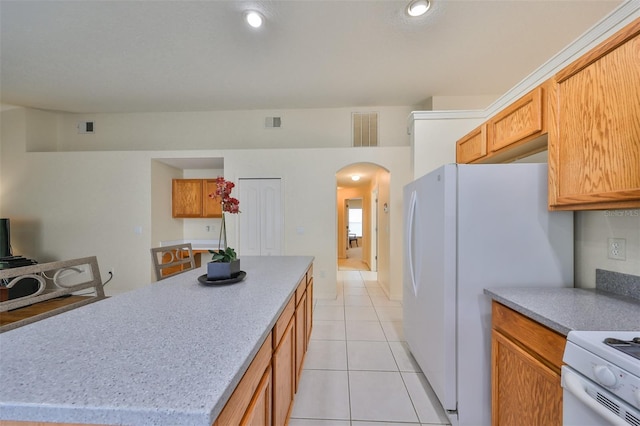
[617,248]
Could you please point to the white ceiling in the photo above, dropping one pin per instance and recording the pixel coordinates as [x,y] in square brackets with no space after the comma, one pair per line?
[181,55]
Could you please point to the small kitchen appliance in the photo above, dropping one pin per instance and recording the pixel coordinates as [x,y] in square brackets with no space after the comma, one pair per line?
[601,378]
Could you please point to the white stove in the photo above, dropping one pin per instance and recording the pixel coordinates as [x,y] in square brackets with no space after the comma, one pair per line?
[601,378]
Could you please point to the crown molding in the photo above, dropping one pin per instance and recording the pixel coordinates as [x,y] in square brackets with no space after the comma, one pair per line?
[616,20]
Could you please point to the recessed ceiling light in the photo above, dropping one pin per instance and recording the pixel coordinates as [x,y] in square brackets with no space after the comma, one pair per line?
[418,7]
[355,178]
[254,18]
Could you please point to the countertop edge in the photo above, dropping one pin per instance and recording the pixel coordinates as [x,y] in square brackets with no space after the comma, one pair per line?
[557,327]
[566,309]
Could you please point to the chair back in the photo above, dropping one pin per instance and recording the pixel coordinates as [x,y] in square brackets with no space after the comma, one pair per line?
[54,279]
[172,260]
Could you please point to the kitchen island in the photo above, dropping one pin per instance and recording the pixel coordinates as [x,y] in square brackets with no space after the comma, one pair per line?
[170,353]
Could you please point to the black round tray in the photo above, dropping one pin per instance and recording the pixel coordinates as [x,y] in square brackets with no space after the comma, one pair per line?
[235,278]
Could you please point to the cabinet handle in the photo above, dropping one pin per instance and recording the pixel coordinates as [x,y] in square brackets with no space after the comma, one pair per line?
[410,239]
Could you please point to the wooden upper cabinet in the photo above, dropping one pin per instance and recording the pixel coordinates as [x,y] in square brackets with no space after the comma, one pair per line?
[472,146]
[594,145]
[211,207]
[517,131]
[190,198]
[520,121]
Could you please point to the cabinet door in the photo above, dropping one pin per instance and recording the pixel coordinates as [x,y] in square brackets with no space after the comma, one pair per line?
[186,197]
[594,151]
[259,410]
[309,309]
[284,365]
[301,335]
[473,146]
[518,122]
[247,401]
[210,207]
[524,390]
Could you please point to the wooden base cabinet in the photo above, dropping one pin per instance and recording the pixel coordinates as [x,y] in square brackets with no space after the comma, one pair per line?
[301,335]
[525,371]
[259,411]
[248,399]
[284,375]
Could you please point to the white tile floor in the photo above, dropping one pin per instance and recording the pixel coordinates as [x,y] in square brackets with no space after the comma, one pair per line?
[358,370]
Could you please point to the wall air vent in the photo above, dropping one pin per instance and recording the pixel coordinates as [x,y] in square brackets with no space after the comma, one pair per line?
[86,127]
[272,122]
[365,128]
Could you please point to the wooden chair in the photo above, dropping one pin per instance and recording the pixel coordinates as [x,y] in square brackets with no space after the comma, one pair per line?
[55,280]
[172,260]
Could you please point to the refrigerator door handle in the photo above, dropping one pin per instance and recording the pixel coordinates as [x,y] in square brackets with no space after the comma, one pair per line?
[410,240]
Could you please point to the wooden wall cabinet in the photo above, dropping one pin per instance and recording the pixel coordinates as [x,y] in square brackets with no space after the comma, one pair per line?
[526,358]
[473,146]
[522,120]
[594,143]
[517,131]
[190,198]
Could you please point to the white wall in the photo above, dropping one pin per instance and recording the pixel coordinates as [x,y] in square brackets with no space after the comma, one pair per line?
[329,127]
[434,135]
[592,230]
[74,204]
[448,103]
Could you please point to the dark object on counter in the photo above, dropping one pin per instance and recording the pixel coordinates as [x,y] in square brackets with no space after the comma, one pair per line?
[5,238]
[22,288]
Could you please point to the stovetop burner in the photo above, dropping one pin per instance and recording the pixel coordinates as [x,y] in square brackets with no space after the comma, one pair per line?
[629,347]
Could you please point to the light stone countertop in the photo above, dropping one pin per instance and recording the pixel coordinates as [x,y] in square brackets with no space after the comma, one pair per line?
[567,309]
[169,353]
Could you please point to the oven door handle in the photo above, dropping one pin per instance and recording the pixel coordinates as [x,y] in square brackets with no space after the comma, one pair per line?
[573,384]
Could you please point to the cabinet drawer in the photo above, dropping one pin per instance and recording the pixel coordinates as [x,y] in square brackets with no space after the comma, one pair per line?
[542,341]
[473,146]
[283,321]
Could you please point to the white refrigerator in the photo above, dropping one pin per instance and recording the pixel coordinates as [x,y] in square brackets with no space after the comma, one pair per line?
[470,227]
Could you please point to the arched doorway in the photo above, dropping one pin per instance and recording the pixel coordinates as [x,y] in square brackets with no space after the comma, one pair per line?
[360,210]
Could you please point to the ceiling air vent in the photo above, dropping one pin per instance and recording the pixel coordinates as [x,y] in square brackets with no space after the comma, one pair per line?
[365,128]
[85,127]
[272,122]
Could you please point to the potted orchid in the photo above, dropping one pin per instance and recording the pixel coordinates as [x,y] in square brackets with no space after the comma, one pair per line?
[224,262]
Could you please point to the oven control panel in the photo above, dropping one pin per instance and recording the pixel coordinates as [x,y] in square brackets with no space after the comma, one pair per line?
[608,375]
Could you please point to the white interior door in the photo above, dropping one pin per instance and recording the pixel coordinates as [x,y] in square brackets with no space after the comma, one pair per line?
[261,221]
